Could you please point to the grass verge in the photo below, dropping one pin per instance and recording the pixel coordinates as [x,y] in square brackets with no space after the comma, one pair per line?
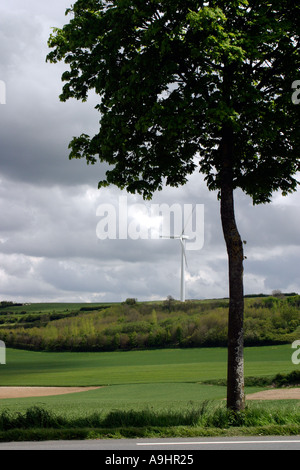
[209,419]
[41,434]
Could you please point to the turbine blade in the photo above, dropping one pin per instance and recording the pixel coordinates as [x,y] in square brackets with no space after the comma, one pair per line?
[184,252]
[183,230]
[185,258]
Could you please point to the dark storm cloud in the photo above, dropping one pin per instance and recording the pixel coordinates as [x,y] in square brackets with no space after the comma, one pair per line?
[35,128]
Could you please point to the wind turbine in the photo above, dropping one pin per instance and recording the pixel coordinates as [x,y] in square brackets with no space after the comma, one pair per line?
[182,239]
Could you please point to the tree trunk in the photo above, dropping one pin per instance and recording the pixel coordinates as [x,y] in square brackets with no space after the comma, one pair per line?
[234,244]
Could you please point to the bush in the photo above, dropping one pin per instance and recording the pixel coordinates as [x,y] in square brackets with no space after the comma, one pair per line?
[130,301]
[34,417]
[284,380]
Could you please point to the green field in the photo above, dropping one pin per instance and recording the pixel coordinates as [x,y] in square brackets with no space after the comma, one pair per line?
[134,379]
[142,394]
[131,367]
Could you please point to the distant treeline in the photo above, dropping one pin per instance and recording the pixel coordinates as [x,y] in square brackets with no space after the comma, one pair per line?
[169,324]
[8,303]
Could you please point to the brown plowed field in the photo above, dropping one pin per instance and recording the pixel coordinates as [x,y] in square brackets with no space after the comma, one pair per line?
[276,394]
[21,392]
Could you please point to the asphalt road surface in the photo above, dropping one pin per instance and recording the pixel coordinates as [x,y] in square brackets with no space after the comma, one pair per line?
[162,446]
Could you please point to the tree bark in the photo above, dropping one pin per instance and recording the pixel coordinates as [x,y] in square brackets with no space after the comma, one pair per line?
[234,244]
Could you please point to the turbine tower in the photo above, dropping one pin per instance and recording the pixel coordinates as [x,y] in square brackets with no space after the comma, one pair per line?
[182,239]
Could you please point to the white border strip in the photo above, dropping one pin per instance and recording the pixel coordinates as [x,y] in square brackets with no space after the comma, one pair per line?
[216,442]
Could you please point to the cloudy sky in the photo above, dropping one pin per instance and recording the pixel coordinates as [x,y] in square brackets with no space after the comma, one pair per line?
[53,217]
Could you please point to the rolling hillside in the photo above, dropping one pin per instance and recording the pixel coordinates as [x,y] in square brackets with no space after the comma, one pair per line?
[145,325]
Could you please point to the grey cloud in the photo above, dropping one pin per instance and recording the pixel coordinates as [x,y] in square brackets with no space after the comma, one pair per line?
[280,269]
[35,128]
[269,224]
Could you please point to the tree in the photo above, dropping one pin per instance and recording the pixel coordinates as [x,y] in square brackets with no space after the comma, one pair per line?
[186,84]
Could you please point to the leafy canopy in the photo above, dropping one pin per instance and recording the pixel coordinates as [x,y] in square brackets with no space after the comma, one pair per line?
[171,75]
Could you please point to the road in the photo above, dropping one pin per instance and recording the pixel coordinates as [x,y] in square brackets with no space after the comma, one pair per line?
[163,446]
